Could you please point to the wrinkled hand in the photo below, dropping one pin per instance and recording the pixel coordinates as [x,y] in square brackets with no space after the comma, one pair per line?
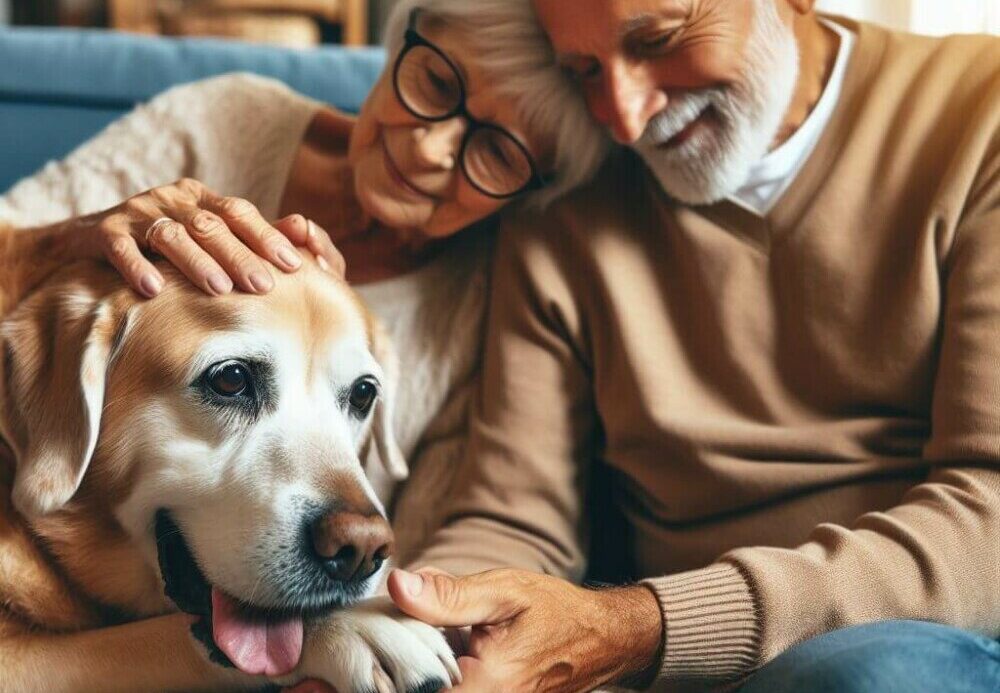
[535,632]
[214,241]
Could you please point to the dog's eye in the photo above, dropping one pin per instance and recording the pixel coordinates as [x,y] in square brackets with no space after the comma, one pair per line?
[363,394]
[229,379]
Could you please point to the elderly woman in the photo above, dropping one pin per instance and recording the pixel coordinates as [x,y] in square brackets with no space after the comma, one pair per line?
[468,116]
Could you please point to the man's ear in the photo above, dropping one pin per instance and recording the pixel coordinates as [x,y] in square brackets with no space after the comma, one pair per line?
[55,350]
[382,429]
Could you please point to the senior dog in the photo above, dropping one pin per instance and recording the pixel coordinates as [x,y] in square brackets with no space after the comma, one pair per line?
[182,482]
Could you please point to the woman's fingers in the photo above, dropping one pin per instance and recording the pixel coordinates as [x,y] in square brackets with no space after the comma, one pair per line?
[246,222]
[319,243]
[295,228]
[212,235]
[307,233]
[170,239]
[124,254]
[216,242]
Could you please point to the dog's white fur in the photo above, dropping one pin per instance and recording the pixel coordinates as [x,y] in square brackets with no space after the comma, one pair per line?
[99,408]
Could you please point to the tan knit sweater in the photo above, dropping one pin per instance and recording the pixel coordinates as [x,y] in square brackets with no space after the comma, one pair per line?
[802,413]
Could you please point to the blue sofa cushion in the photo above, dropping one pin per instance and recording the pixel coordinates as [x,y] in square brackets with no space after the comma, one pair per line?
[58,87]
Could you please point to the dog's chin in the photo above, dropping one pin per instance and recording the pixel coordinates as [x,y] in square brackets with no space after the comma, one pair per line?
[262,639]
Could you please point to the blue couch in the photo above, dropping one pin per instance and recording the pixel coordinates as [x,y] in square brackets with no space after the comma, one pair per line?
[60,86]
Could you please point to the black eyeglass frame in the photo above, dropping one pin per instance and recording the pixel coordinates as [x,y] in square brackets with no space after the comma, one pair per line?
[413,39]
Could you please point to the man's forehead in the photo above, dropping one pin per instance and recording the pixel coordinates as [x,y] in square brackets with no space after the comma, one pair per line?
[583,26]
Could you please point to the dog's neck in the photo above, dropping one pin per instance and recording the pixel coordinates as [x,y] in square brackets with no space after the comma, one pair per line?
[35,589]
[132,590]
[40,554]
[34,593]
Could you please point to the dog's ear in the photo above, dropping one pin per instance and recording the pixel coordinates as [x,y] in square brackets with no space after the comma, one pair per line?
[55,352]
[386,446]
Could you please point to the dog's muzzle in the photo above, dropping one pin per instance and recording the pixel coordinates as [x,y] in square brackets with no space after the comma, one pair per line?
[340,551]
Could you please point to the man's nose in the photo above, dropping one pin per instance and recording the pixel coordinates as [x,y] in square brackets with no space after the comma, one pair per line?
[351,546]
[632,97]
[436,145]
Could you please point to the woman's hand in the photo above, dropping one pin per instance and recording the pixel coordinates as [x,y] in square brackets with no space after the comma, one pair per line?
[216,242]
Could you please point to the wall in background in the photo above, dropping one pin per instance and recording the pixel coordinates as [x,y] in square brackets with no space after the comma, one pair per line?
[893,13]
[923,16]
[378,11]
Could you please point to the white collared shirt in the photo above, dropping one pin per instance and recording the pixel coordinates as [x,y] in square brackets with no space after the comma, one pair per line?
[772,175]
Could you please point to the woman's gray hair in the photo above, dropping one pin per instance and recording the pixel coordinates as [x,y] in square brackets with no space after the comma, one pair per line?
[510,45]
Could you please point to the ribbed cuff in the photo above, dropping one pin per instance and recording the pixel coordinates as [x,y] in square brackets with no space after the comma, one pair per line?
[712,631]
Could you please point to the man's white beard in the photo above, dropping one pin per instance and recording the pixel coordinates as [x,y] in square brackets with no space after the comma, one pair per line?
[716,161]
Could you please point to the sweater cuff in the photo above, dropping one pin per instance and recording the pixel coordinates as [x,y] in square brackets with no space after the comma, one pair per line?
[711,625]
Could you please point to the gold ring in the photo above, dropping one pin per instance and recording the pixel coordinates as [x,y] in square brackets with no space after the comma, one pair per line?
[152,227]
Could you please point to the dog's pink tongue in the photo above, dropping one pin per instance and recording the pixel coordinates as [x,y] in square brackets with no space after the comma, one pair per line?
[259,647]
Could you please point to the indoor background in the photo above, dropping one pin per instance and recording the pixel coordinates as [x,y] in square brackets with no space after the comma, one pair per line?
[311,22]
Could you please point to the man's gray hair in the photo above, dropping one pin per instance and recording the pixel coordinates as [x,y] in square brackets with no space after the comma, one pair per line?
[512,47]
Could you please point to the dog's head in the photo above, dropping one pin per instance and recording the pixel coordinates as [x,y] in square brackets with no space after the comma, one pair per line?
[224,435]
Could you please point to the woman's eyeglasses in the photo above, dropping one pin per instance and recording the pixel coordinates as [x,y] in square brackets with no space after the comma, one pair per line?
[430,86]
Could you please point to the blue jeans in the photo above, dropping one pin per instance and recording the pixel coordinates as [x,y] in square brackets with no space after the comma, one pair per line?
[886,657]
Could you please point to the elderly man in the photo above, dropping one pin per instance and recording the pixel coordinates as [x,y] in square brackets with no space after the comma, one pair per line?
[777,321]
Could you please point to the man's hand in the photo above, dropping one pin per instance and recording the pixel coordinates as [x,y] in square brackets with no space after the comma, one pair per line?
[535,632]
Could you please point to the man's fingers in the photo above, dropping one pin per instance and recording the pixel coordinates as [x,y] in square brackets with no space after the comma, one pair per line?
[442,600]
[431,570]
[458,639]
[123,253]
[476,678]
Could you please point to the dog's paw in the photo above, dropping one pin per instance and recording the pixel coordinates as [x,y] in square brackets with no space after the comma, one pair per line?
[373,648]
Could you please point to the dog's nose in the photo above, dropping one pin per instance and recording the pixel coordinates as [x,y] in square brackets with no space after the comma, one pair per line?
[351,546]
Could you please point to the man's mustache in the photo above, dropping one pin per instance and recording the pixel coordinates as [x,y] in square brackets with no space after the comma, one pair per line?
[682,110]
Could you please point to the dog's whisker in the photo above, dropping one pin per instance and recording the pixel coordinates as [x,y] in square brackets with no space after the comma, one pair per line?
[256,586]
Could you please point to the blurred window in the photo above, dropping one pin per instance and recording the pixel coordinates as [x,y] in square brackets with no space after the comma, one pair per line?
[934,17]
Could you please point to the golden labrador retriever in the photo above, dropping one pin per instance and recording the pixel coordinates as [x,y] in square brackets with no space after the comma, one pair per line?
[182,499]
